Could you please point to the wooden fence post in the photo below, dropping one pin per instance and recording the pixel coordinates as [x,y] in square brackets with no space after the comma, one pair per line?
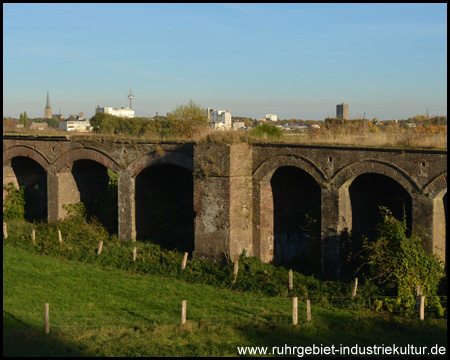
[354,288]
[5,231]
[291,280]
[183,312]
[134,253]
[59,236]
[183,264]
[33,236]
[418,294]
[100,245]
[422,308]
[294,311]
[308,311]
[46,319]
[236,269]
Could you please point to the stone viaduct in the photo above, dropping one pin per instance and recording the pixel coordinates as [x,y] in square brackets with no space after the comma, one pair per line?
[254,197]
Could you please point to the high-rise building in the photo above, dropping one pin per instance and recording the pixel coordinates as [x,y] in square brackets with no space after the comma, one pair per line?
[219,118]
[48,109]
[342,111]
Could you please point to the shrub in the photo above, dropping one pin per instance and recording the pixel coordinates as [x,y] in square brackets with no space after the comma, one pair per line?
[14,202]
[399,261]
[76,210]
[267,131]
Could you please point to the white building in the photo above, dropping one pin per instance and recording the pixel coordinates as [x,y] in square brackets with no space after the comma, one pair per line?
[271,117]
[220,119]
[122,112]
[75,124]
[239,125]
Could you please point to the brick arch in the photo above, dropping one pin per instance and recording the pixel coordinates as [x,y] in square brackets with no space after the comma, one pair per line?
[437,186]
[265,170]
[164,199]
[350,172]
[25,151]
[68,158]
[30,174]
[342,180]
[263,224]
[153,158]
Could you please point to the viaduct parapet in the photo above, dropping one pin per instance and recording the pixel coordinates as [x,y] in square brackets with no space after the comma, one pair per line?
[266,199]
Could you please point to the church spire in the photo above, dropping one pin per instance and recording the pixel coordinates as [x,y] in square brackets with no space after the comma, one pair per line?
[48,109]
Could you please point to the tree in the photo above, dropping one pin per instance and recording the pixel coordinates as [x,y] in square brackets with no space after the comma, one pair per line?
[54,123]
[187,119]
[159,126]
[184,121]
[25,119]
[372,127]
[105,123]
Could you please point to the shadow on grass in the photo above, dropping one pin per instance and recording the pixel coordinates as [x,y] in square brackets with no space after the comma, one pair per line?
[23,340]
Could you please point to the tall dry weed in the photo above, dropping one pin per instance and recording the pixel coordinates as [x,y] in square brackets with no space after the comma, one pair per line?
[407,139]
[362,137]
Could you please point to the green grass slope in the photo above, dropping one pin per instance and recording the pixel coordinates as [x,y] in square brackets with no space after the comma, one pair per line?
[107,312]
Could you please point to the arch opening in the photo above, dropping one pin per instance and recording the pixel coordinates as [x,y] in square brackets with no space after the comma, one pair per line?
[97,186]
[296,219]
[165,207]
[30,174]
[366,193]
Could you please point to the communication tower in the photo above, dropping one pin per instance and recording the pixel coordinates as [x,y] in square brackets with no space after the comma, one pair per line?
[131,97]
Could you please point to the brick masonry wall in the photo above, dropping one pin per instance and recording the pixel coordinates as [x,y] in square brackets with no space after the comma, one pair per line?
[232,193]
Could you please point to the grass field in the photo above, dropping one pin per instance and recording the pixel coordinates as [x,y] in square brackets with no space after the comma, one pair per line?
[107,312]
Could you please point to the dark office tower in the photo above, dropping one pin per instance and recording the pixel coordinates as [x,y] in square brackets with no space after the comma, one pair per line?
[342,111]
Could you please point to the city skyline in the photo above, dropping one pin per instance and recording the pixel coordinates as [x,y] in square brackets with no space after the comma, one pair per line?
[294,60]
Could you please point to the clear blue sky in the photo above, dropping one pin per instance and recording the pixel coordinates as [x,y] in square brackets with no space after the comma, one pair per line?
[295,60]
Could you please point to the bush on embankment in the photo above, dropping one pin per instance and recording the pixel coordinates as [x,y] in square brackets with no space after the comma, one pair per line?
[81,241]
